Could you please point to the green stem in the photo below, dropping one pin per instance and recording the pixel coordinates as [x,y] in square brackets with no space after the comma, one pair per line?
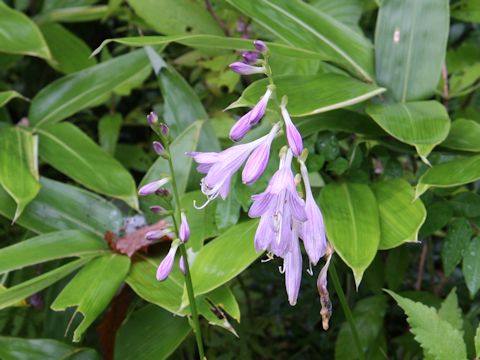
[346,310]
[183,251]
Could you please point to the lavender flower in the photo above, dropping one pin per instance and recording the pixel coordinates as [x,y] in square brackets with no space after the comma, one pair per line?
[184,233]
[156,234]
[258,160]
[181,265]
[260,46]
[159,148]
[278,206]
[164,129]
[292,265]
[152,118]
[247,121]
[245,69]
[165,267]
[157,209]
[152,187]
[312,231]
[249,57]
[293,136]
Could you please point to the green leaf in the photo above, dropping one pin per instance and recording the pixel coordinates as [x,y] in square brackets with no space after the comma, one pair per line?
[6,96]
[150,333]
[201,222]
[298,23]
[72,93]
[368,314]
[400,215]
[439,214]
[455,244]
[423,124]
[477,342]
[430,330]
[224,257]
[30,287]
[55,245]
[227,212]
[309,95]
[451,312]
[173,17]
[352,224]
[460,171]
[18,166]
[471,266]
[211,42]
[133,157]
[20,35]
[12,348]
[74,14]
[346,11]
[410,46]
[468,11]
[92,289]
[59,206]
[466,204]
[109,131]
[85,162]
[464,135]
[69,52]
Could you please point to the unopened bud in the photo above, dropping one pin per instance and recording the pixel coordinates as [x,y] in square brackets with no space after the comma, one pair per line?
[260,46]
[152,118]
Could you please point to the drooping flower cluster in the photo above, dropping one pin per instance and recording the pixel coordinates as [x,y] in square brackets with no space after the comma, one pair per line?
[285,218]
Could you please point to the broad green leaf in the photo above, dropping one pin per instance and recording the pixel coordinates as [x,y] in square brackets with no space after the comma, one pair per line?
[59,206]
[460,171]
[400,215]
[85,162]
[201,222]
[69,52]
[211,42]
[464,135]
[150,333]
[55,245]
[12,348]
[20,35]
[65,4]
[75,92]
[133,157]
[368,314]
[466,204]
[410,46]
[451,312]
[455,244]
[352,224]
[439,214]
[74,14]
[6,96]
[224,257]
[423,124]
[174,17]
[19,166]
[227,212]
[18,292]
[467,10]
[109,131]
[309,95]
[430,330]
[471,266]
[300,24]
[346,11]
[92,289]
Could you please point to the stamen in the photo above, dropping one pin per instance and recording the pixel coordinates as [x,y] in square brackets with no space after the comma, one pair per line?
[310,270]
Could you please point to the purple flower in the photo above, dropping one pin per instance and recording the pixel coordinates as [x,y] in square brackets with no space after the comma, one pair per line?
[152,187]
[164,129]
[152,118]
[184,232]
[312,231]
[250,57]
[159,148]
[258,160]
[245,69]
[293,136]
[247,121]
[181,265]
[220,168]
[260,46]
[278,207]
[292,265]
[156,209]
[156,234]
[165,267]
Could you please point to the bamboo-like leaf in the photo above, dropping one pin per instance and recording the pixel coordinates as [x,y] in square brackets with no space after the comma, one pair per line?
[464,135]
[471,266]
[6,96]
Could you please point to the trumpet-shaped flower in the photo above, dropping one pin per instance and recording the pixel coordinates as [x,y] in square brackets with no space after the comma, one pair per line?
[220,167]
[292,265]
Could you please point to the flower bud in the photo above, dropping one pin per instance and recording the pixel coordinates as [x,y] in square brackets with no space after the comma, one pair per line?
[157,209]
[249,57]
[152,187]
[184,232]
[165,267]
[156,234]
[260,46]
[164,129]
[152,118]
[159,148]
[181,265]
[245,69]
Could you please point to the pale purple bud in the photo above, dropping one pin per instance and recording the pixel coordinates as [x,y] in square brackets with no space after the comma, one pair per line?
[241,127]
[181,265]
[293,136]
[165,267]
[259,109]
[258,160]
[260,46]
[156,234]
[156,209]
[293,270]
[164,129]
[159,148]
[152,118]
[245,69]
[152,187]
[249,57]
[184,232]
